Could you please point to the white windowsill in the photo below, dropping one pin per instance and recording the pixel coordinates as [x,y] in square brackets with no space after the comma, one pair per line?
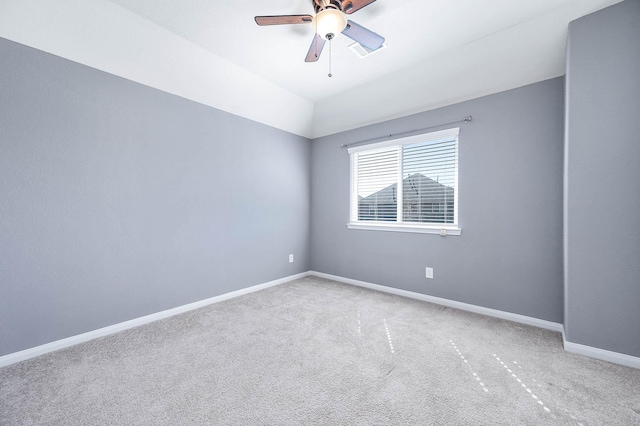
[400,227]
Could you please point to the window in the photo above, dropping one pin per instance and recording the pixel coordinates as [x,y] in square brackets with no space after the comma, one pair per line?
[408,184]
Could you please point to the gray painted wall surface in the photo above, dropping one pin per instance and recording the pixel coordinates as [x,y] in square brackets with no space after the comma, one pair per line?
[509,256]
[602,201]
[118,200]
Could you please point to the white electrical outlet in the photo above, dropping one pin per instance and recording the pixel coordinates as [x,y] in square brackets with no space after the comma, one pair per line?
[290,258]
[429,273]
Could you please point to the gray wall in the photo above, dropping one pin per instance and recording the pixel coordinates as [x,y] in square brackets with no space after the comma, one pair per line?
[602,171]
[118,200]
[509,256]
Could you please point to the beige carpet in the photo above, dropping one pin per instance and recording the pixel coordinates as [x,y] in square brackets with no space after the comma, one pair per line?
[318,352]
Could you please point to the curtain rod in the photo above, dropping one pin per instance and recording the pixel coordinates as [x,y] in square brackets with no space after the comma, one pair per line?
[416,131]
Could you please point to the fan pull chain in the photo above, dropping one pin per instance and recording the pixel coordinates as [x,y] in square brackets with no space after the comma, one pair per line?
[330,38]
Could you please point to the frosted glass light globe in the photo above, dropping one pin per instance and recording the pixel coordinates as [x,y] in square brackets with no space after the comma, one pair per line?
[329,21]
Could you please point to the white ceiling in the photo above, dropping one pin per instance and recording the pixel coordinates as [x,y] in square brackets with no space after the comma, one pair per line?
[439,52]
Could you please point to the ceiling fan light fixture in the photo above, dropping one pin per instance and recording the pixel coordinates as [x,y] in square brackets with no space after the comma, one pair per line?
[329,22]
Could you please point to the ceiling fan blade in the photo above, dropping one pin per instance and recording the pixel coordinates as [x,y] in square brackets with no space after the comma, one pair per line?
[351,6]
[365,37]
[283,19]
[316,49]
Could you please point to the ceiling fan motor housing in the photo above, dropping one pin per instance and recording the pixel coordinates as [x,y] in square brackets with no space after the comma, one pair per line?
[321,5]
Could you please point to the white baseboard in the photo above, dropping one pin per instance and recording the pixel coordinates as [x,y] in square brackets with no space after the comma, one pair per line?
[602,354]
[576,348]
[105,331]
[522,319]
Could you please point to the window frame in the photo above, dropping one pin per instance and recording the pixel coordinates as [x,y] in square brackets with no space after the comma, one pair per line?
[398,225]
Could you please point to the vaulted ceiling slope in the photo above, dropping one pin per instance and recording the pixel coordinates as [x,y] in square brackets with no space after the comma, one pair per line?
[211,51]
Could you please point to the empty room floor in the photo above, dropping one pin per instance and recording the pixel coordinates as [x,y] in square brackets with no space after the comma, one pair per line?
[314,351]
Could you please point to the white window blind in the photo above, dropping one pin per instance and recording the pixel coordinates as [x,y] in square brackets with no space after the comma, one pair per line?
[406,184]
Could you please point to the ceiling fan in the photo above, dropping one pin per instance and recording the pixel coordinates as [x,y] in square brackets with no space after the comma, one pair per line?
[330,20]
